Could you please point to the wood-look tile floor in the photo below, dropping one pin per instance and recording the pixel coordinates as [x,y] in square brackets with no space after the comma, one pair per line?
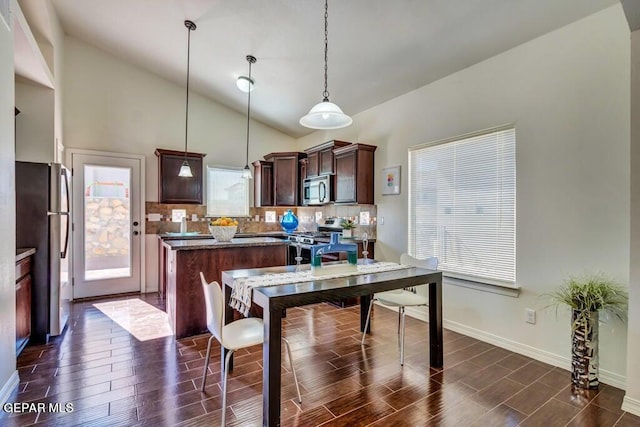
[115,377]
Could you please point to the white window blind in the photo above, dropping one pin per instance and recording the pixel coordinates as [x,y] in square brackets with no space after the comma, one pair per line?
[462,200]
[227,192]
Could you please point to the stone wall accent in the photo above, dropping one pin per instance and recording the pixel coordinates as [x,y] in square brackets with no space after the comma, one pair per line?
[107,227]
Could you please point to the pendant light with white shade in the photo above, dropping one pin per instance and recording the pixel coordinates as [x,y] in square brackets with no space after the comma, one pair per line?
[185,169]
[246,172]
[326,114]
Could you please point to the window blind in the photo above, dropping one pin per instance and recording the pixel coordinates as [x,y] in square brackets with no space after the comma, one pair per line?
[227,192]
[462,200]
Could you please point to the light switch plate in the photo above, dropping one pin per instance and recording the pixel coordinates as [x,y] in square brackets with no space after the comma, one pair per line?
[319,216]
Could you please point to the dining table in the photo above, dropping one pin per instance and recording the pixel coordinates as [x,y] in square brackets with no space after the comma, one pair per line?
[274,300]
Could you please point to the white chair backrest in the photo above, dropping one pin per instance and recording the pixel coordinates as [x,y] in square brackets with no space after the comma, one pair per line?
[430,263]
[214,303]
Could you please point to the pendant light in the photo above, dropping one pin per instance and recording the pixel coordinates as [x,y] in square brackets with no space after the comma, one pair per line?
[246,172]
[185,169]
[325,114]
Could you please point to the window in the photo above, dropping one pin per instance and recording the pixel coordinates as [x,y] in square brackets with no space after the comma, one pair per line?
[462,200]
[227,192]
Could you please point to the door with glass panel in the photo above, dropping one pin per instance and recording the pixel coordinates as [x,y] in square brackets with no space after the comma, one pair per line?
[106,225]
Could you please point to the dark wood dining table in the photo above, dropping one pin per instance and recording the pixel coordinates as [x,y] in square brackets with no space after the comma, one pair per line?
[275,299]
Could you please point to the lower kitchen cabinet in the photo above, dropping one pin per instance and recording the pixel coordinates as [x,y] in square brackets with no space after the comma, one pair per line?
[23,303]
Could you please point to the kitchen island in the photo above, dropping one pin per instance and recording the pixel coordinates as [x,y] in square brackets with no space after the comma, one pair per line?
[184,260]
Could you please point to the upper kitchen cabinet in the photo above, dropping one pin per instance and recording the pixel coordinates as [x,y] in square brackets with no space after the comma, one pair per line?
[320,158]
[179,189]
[286,177]
[353,165]
[262,183]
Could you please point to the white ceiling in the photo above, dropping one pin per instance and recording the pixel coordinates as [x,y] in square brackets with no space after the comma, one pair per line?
[378,49]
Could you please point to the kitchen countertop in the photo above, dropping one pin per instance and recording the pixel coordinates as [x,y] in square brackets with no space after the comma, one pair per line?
[22,253]
[273,234]
[211,243]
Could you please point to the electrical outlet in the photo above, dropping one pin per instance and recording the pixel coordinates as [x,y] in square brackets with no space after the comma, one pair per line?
[381,220]
[530,315]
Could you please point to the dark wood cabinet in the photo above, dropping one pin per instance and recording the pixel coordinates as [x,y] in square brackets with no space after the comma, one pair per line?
[23,303]
[262,183]
[304,163]
[320,158]
[178,189]
[354,167]
[286,177]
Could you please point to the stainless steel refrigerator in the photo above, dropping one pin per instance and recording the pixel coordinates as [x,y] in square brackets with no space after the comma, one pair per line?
[42,222]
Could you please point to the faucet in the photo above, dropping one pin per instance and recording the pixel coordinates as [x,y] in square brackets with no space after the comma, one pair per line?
[334,245]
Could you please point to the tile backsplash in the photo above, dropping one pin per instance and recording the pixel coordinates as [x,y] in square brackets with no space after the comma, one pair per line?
[160,215]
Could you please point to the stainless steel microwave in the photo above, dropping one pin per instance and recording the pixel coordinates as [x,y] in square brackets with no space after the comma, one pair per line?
[317,190]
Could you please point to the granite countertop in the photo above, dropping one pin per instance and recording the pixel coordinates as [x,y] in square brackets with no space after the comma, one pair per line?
[275,234]
[22,253]
[211,243]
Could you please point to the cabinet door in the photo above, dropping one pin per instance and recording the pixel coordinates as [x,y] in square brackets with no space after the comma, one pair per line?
[325,161]
[263,183]
[312,164]
[285,180]
[179,189]
[23,312]
[345,168]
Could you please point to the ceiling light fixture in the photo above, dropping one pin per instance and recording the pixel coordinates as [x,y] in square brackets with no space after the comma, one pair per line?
[185,169]
[325,114]
[246,172]
[245,84]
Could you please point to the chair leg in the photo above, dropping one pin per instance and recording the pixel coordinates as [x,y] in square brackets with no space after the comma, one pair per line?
[206,363]
[293,368]
[402,337]
[366,324]
[224,388]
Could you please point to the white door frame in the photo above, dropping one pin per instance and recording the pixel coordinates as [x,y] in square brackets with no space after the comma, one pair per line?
[68,157]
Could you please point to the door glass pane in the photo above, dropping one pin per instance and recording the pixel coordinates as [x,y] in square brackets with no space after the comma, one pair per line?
[107,222]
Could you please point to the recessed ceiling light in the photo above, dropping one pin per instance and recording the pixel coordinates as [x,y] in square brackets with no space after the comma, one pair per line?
[245,84]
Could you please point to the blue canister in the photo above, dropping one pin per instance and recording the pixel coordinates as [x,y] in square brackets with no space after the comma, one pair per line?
[289,222]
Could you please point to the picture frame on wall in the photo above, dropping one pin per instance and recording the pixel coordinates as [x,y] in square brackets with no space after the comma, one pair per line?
[391,180]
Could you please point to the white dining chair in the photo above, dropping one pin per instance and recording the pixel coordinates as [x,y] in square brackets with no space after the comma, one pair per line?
[402,298]
[233,336]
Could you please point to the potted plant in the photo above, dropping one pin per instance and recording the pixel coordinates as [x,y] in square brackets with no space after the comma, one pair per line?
[347,227]
[586,297]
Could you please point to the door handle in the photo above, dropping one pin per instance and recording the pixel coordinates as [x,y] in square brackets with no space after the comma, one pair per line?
[135,233]
[135,223]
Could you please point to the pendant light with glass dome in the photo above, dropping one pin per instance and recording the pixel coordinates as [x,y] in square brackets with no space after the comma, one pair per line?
[185,169]
[326,114]
[246,172]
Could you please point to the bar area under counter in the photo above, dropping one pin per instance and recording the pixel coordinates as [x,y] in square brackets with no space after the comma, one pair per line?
[186,258]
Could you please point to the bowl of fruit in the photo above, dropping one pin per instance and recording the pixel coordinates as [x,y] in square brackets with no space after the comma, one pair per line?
[223,229]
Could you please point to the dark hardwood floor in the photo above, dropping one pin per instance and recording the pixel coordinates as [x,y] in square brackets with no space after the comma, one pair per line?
[115,377]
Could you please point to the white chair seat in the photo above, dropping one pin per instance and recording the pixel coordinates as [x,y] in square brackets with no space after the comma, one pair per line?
[233,336]
[243,333]
[401,298]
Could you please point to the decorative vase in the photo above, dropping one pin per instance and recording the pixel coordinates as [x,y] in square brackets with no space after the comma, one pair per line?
[584,349]
[289,222]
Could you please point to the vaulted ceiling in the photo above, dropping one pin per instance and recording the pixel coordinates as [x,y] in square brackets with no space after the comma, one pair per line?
[378,49]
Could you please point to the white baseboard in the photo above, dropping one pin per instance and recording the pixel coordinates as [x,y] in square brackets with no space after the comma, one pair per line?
[7,389]
[630,405]
[607,377]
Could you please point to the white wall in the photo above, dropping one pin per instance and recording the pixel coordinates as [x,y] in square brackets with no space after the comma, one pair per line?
[8,373]
[568,94]
[36,122]
[632,396]
[110,105]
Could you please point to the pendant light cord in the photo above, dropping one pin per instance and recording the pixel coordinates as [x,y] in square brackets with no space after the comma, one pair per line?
[190,27]
[325,94]
[251,60]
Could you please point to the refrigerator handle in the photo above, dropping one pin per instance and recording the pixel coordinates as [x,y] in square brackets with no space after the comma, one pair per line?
[63,254]
[66,187]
